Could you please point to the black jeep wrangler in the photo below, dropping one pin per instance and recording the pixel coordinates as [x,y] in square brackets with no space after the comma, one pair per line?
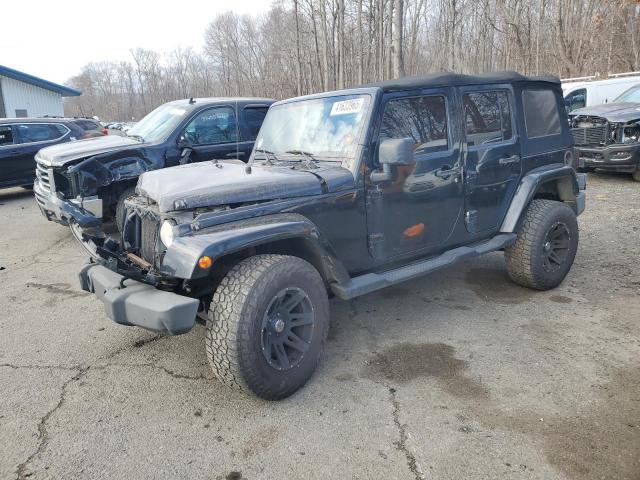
[346,192]
[87,181]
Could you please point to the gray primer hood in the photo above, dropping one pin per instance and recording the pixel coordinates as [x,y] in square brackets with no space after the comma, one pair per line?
[213,183]
[59,155]
[613,112]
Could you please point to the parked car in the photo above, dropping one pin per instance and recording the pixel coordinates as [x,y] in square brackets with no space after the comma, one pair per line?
[20,140]
[608,136]
[92,128]
[586,93]
[255,249]
[94,177]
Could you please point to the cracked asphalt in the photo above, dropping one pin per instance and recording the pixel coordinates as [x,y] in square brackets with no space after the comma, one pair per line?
[458,375]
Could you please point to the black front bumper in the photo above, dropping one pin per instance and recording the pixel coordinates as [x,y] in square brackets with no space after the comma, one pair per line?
[617,158]
[129,302]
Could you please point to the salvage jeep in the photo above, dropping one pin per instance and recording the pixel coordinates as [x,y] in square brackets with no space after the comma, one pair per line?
[95,176]
[345,193]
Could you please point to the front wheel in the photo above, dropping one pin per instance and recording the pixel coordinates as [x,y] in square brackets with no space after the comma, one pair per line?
[267,325]
[636,174]
[545,247]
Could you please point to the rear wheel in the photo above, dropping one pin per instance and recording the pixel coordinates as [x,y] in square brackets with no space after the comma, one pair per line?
[546,245]
[267,325]
[121,211]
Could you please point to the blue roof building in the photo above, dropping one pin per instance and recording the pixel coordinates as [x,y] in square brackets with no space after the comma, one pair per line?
[23,95]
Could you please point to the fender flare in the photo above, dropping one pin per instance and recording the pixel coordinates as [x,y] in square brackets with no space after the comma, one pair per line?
[531,184]
[181,259]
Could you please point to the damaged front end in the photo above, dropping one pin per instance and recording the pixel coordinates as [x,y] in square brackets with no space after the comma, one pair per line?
[611,144]
[90,181]
[123,274]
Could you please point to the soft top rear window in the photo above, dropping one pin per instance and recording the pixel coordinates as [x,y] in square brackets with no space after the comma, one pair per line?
[541,114]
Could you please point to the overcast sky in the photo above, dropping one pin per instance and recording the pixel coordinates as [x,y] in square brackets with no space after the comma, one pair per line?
[53,40]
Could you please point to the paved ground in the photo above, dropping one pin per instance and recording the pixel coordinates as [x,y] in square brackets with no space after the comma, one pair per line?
[459,375]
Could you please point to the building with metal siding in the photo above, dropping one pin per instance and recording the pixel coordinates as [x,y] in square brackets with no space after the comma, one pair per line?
[23,95]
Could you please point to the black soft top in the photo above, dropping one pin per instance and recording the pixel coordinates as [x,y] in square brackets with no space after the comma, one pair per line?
[456,79]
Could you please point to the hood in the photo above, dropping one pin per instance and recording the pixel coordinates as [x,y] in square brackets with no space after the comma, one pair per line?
[212,183]
[62,153]
[613,112]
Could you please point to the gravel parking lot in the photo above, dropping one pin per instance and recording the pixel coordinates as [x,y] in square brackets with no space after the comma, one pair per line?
[459,375]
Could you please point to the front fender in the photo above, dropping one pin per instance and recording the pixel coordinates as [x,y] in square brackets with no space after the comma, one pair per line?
[105,169]
[181,259]
[531,183]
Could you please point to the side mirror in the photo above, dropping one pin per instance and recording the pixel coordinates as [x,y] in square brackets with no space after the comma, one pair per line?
[185,147]
[393,152]
[183,143]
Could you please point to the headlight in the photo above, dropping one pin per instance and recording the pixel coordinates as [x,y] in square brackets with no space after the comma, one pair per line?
[166,233]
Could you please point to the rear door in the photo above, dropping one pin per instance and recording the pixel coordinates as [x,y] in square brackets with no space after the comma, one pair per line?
[493,163]
[213,134]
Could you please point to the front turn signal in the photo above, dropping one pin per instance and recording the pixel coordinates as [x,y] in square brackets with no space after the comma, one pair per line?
[205,262]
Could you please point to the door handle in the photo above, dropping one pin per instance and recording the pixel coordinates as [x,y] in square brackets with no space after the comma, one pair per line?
[509,160]
[235,154]
[445,172]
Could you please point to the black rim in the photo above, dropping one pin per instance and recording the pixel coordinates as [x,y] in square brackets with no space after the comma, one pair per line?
[287,328]
[555,248]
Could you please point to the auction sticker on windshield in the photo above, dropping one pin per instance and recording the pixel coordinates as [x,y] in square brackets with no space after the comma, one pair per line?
[346,107]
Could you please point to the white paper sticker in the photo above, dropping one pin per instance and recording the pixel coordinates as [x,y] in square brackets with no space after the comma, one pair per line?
[347,107]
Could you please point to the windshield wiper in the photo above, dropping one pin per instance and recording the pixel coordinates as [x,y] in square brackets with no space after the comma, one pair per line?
[137,137]
[302,152]
[311,160]
[266,154]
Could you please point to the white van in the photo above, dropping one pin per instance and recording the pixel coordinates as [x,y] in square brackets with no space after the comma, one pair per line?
[583,92]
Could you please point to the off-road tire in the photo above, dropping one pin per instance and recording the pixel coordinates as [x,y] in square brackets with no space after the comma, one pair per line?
[525,258]
[636,174]
[120,208]
[234,326]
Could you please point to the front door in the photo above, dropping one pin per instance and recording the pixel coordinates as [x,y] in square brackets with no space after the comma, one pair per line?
[213,134]
[493,162]
[416,211]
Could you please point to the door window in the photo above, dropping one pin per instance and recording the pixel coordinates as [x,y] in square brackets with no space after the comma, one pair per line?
[213,126]
[40,132]
[6,135]
[254,116]
[487,117]
[541,115]
[576,100]
[422,118]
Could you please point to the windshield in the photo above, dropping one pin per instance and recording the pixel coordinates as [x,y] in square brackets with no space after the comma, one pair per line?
[326,128]
[631,95]
[159,123]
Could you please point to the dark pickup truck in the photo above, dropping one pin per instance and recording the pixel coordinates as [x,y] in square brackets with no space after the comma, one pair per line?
[608,136]
[346,193]
[89,180]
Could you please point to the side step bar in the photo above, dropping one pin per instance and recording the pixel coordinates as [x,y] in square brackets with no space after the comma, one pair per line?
[370,282]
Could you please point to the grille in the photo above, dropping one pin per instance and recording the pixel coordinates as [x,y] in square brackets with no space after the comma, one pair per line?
[139,235]
[148,232]
[44,175]
[590,135]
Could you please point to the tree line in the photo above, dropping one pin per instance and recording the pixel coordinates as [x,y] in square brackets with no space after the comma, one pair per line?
[305,46]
